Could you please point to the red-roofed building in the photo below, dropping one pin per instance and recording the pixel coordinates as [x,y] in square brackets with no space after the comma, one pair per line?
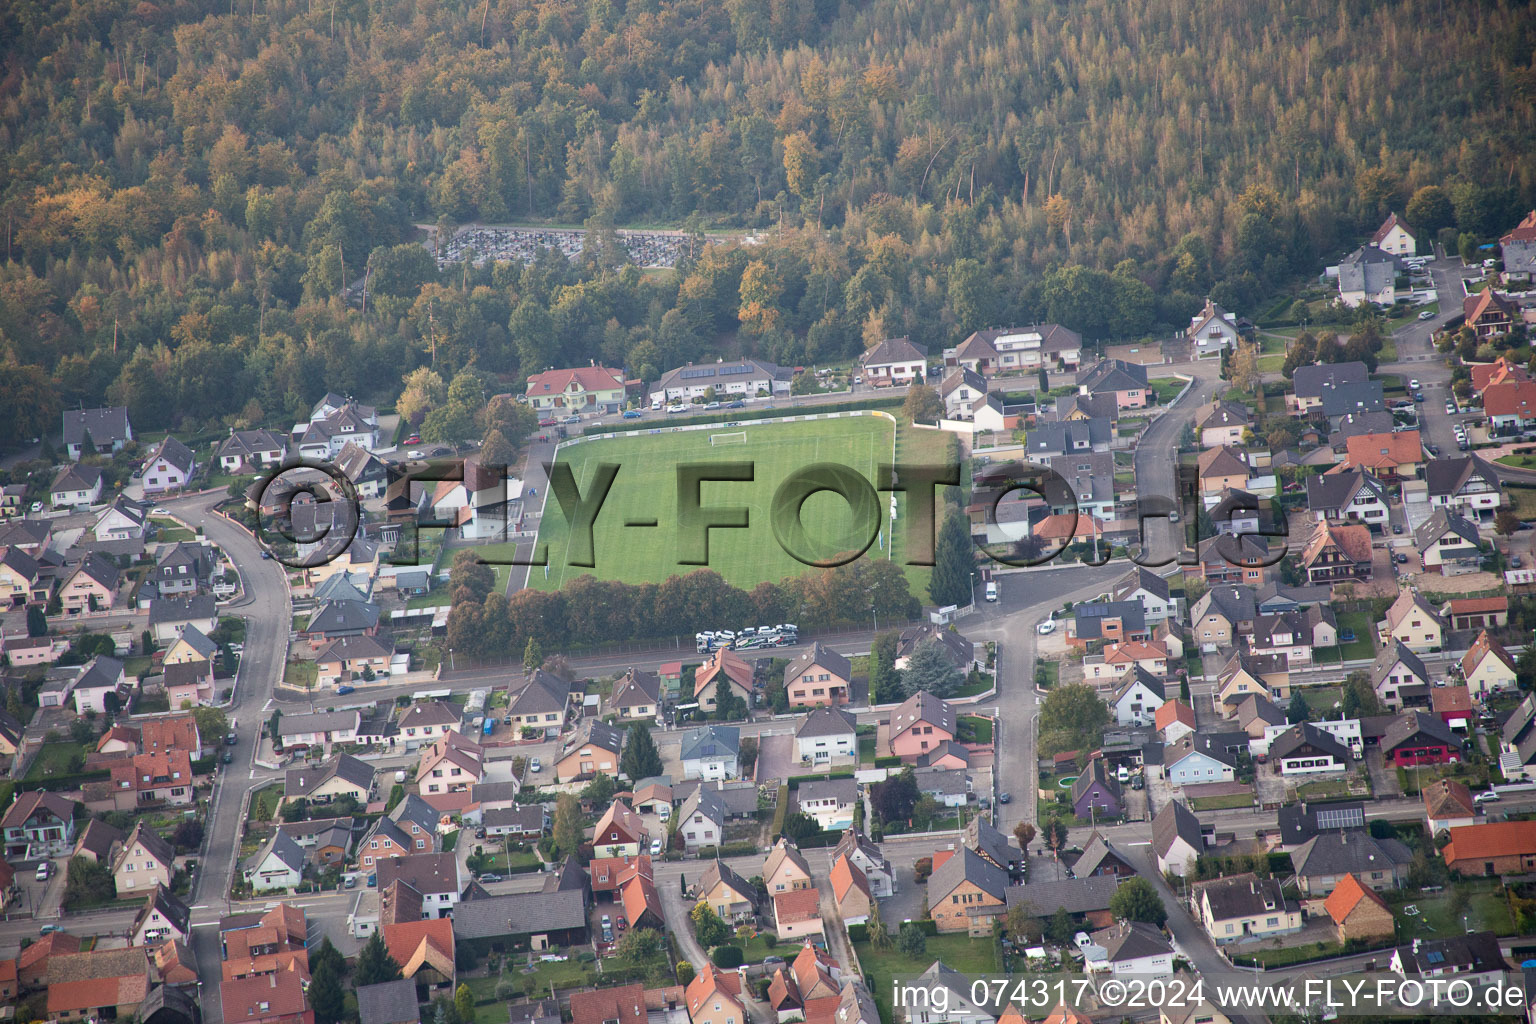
[1388,456]
[178,732]
[580,389]
[622,1005]
[1478,612]
[797,914]
[1488,313]
[850,891]
[638,896]
[266,999]
[423,949]
[1358,911]
[1492,848]
[1175,720]
[1510,406]
[1496,372]
[1453,705]
[154,778]
[714,997]
[32,962]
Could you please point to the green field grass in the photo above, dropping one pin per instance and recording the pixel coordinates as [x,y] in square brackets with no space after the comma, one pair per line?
[646,489]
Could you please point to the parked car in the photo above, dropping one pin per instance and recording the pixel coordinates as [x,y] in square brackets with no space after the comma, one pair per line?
[1418,396]
[479,833]
[1450,408]
[230,739]
[351,882]
[1048,626]
[1428,314]
[490,878]
[656,847]
[345,689]
[1414,385]
[573,418]
[991,590]
[535,766]
[1397,527]
[1401,558]
[228,758]
[413,439]
[677,408]
[265,554]
[44,870]
[738,404]
[632,414]
[415,453]
[548,422]
[1004,798]
[49,929]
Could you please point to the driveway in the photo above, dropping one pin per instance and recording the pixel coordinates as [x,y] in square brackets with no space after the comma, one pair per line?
[776,757]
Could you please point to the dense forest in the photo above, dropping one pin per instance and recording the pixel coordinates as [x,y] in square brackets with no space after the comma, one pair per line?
[188,185]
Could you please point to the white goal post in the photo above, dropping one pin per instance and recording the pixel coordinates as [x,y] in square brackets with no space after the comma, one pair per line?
[737,437]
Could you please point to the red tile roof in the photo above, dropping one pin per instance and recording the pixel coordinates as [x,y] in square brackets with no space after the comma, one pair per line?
[1511,398]
[1501,369]
[1173,711]
[1490,840]
[1347,895]
[1384,451]
[1483,647]
[1450,698]
[796,905]
[1478,605]
[625,1004]
[589,378]
[163,734]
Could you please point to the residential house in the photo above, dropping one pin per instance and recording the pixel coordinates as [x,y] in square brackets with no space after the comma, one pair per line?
[1510,407]
[1492,848]
[1134,949]
[1358,912]
[350,659]
[598,389]
[169,467]
[1147,589]
[1518,248]
[327,841]
[340,776]
[1467,484]
[922,723]
[1090,485]
[1127,382]
[266,999]
[1322,861]
[785,868]
[820,677]
[827,735]
[850,892]
[701,819]
[1304,749]
[1448,804]
[541,703]
[101,687]
[741,378]
[620,832]
[962,389]
[1223,614]
[965,881]
[980,835]
[1474,959]
[636,695]
[727,664]
[1198,758]
[714,997]
[245,451]
[1453,706]
[170,616]
[390,1002]
[277,865]
[711,752]
[368,472]
[1449,542]
[1368,275]
[190,646]
[410,828]
[152,778]
[1137,697]
[1468,613]
[183,569]
[1108,620]
[894,361]
[1176,839]
[952,999]
[1212,329]
[1489,314]
[1222,423]
[1100,858]
[1399,676]
[1394,236]
[164,735]
[75,486]
[104,984]
[1014,349]
[1053,438]
[143,862]
[797,914]
[730,896]
[98,842]
[1420,738]
[622,1005]
[1174,719]
[1243,907]
[1487,667]
[318,729]
[1096,793]
[163,918]
[425,722]
[1221,468]
[92,587]
[341,618]
[107,430]
[1245,675]
[433,876]
[1394,456]
[1337,554]
[1310,384]
[1412,621]
[448,768]
[865,855]
[958,651]
[21,579]
[1294,634]
[333,426]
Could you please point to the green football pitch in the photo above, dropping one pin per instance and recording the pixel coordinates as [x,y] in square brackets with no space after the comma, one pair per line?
[646,489]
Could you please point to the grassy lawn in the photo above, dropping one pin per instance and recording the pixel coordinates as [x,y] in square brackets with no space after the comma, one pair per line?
[1272,363]
[1524,501]
[498,862]
[137,665]
[974,729]
[982,684]
[264,804]
[1324,789]
[1052,672]
[54,759]
[301,673]
[645,491]
[1517,461]
[1221,803]
[1321,698]
[755,949]
[1486,911]
[867,750]
[1271,957]
[1166,389]
[170,530]
[1362,646]
[971,957]
[433,598]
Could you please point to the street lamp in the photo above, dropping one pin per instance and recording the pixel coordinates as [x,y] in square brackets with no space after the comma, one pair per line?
[450,660]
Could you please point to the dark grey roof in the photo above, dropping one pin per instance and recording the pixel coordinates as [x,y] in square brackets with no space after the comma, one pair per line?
[844,791]
[1347,850]
[338,587]
[823,657]
[1133,675]
[1333,491]
[173,452]
[1175,821]
[305,780]
[1261,708]
[102,671]
[542,1011]
[731,372]
[1111,375]
[704,801]
[528,818]
[1418,723]
[1311,381]
[940,781]
[967,865]
[1097,771]
[852,841]
[636,687]
[981,836]
[317,721]
[1222,414]
[1441,522]
[344,616]
[388,1002]
[1234,602]
[1242,896]
[430,713]
[1307,734]
[1139,579]
[1367,269]
[1354,424]
[522,913]
[430,874]
[1474,953]
[99,569]
[597,733]
[961,651]
[171,908]
[1199,742]
[244,443]
[1131,940]
[1446,477]
[1393,654]
[1295,623]
[324,831]
[1063,437]
[1090,614]
[1095,854]
[718,872]
[75,478]
[544,693]
[281,845]
[182,609]
[711,741]
[894,350]
[923,706]
[1075,895]
[105,425]
[827,721]
[1300,822]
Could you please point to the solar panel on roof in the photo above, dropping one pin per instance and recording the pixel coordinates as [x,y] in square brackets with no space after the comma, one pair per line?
[702,371]
[1340,817]
[735,369]
[1436,958]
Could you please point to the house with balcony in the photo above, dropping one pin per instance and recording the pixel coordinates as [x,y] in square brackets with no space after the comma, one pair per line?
[894,362]
[597,389]
[818,678]
[999,350]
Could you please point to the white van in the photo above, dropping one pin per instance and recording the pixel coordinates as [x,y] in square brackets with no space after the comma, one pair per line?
[992,590]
